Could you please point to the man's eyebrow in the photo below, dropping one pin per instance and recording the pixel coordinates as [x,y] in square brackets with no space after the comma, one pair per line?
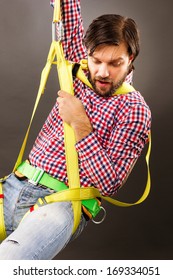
[116,59]
[111,60]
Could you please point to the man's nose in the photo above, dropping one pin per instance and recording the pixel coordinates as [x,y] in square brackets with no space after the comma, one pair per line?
[103,71]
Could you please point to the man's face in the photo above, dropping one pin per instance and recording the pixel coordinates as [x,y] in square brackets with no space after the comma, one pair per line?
[108,67]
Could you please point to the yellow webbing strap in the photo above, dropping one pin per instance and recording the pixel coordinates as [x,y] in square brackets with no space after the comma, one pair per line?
[66,83]
[44,77]
[57,11]
[2,225]
[43,81]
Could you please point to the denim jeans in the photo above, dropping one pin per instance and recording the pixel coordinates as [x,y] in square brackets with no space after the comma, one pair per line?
[44,232]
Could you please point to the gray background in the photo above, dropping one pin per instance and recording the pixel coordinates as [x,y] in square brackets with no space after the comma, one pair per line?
[140,232]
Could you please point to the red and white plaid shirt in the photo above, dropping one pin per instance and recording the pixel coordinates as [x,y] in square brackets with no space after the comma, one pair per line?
[121,124]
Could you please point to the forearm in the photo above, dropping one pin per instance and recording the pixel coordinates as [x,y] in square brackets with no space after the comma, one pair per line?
[82,128]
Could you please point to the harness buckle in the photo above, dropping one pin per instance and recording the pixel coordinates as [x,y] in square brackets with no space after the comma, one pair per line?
[36,176]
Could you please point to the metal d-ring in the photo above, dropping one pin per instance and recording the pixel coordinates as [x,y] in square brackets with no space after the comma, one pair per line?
[103,218]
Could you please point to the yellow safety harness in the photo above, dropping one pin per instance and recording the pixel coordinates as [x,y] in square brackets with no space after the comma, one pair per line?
[74,193]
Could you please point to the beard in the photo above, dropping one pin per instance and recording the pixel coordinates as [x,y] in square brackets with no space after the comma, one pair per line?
[113,86]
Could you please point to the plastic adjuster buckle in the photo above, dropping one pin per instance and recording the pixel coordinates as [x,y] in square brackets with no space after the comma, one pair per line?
[36,176]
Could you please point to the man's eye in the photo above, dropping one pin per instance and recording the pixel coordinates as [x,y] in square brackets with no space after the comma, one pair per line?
[96,61]
[116,64]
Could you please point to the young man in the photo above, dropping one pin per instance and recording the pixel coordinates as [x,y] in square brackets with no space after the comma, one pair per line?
[111,131]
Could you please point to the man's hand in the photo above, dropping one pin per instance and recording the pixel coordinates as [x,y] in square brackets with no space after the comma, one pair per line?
[73,113]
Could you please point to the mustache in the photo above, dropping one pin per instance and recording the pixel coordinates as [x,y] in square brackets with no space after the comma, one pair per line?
[105,80]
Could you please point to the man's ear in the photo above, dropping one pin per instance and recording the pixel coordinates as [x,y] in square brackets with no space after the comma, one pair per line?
[131,58]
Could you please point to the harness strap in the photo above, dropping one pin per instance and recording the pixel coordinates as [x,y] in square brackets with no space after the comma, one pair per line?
[38,176]
[57,11]
[64,69]
[2,224]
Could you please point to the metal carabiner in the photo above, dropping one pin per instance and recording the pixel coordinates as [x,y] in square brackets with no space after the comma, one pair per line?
[103,218]
[57,31]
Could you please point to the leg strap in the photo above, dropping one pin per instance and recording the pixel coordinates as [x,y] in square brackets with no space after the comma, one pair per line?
[2,224]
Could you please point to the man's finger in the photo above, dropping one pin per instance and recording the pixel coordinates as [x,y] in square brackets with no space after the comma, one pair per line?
[62,93]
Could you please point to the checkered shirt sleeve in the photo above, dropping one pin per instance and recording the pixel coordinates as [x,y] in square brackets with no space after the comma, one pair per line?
[73,32]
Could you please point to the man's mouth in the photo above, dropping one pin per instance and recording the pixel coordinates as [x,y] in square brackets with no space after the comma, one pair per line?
[103,83]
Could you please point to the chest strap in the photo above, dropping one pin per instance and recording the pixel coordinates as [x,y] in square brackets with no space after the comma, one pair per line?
[38,176]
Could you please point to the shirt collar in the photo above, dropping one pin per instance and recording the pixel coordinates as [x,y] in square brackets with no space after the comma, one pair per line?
[129,77]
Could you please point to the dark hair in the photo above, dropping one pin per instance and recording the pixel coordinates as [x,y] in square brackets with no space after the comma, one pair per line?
[113,29]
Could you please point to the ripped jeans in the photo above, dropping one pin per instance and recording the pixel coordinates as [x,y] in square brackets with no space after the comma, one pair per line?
[44,232]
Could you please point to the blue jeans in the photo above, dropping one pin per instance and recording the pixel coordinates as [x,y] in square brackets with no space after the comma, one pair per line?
[44,232]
